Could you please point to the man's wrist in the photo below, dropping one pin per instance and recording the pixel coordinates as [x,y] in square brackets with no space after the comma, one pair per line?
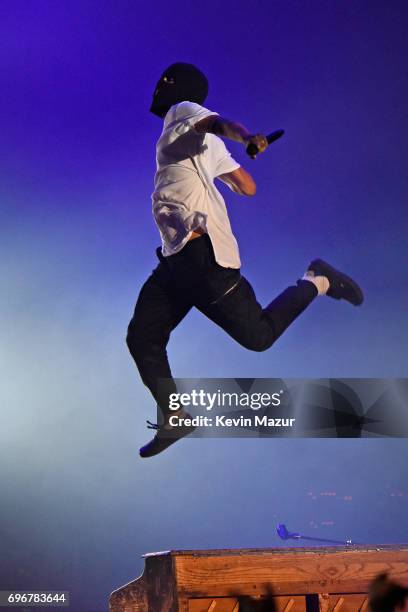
[246,136]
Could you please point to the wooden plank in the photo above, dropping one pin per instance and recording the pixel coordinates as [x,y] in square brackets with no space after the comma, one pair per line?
[228,604]
[299,573]
[161,584]
[216,552]
[225,604]
[333,579]
[343,603]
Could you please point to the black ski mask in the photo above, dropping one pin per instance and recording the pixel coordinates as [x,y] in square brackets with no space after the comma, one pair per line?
[179,82]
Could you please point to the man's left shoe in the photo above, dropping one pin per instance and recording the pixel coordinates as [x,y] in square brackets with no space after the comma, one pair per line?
[342,287]
[165,436]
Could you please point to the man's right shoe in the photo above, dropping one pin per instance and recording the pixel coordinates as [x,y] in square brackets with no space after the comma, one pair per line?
[342,287]
[165,436]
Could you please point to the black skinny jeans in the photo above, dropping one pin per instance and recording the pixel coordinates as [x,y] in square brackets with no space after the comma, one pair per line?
[190,278]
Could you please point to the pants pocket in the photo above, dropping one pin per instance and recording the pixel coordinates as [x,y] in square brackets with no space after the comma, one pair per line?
[228,291]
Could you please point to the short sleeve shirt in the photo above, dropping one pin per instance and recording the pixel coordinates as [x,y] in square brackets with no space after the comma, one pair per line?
[185,198]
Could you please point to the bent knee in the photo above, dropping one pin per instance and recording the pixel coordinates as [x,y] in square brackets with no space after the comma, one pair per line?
[135,339]
[257,345]
[129,335]
[142,346]
[259,348]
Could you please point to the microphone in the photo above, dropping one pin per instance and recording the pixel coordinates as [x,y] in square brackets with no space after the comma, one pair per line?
[284,534]
[252,149]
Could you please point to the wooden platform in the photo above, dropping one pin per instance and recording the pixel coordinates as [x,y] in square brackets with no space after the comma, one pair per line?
[334,579]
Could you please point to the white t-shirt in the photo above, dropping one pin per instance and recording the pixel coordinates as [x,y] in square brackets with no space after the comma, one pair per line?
[185,197]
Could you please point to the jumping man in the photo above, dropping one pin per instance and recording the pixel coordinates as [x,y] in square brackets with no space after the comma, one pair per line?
[199,263]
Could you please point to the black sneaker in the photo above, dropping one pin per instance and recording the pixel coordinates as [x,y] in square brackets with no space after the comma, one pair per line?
[165,436]
[342,287]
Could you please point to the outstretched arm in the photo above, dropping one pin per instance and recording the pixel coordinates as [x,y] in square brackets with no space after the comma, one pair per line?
[215,124]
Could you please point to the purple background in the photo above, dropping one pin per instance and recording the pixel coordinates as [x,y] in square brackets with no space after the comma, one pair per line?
[78,507]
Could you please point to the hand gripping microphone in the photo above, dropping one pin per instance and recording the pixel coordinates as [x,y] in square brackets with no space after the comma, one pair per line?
[252,149]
